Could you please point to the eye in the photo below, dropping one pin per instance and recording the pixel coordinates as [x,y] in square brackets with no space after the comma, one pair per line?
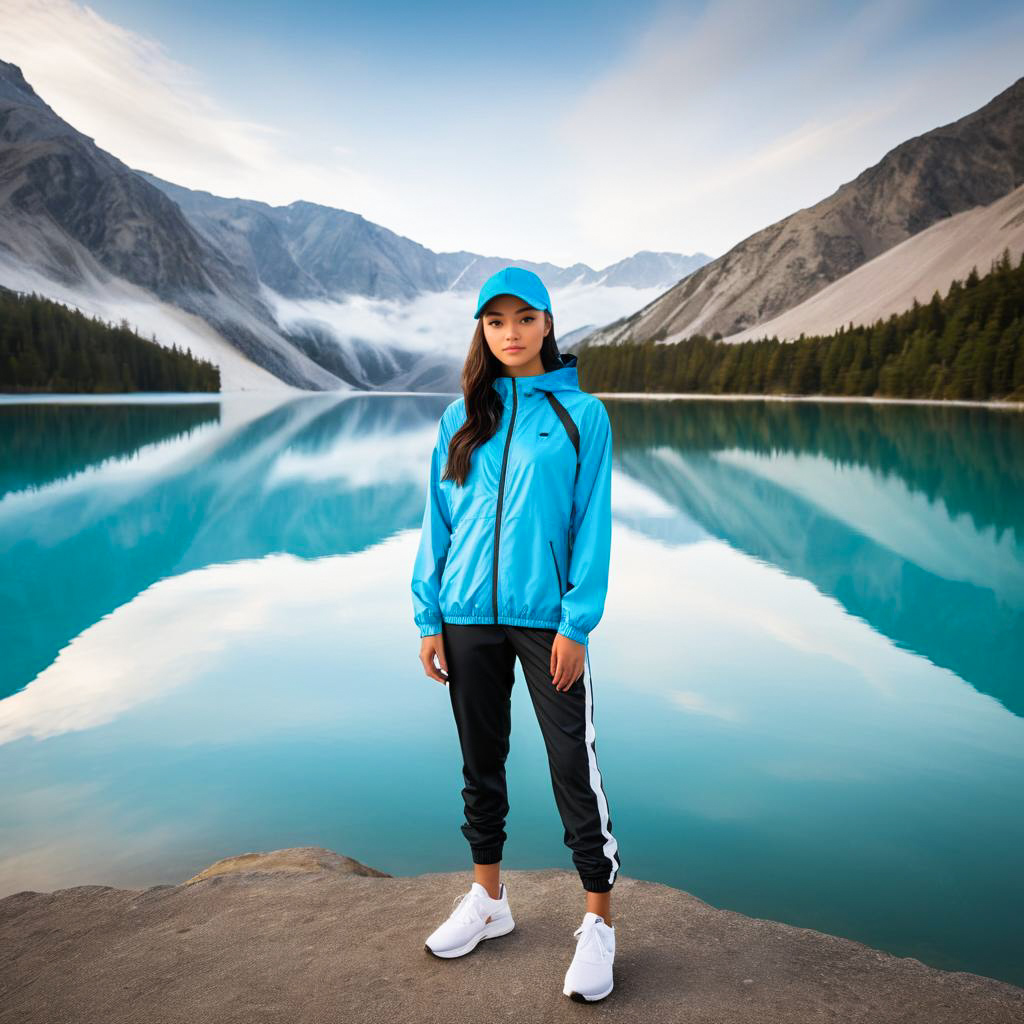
[529,317]
[491,323]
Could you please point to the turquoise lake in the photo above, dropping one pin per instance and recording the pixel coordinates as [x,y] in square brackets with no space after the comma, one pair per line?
[808,681]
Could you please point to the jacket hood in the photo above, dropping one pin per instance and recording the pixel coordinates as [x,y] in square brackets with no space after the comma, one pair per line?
[563,378]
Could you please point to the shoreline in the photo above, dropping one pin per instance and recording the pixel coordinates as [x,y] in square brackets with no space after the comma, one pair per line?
[673,395]
[13,398]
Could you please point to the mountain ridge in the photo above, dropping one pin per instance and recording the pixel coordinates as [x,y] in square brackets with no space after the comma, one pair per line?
[966,163]
[211,273]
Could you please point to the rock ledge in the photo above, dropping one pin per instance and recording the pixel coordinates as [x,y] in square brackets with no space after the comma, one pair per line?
[306,934]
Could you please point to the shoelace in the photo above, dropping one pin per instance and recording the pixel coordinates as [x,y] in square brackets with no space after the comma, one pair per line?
[589,940]
[468,908]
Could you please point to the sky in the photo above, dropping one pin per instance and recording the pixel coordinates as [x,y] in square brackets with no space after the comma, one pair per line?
[560,132]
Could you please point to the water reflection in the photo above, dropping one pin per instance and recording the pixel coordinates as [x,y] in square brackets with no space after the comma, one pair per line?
[310,476]
[911,517]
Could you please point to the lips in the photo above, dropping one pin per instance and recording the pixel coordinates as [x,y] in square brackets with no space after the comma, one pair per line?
[515,348]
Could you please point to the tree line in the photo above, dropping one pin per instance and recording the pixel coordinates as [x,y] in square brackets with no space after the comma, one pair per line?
[968,344]
[46,346]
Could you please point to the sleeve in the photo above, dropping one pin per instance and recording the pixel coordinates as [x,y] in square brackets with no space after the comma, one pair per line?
[590,531]
[435,539]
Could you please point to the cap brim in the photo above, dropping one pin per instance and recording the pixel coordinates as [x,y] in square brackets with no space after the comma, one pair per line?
[525,298]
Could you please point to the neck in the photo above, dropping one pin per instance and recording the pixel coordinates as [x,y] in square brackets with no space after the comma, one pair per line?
[534,368]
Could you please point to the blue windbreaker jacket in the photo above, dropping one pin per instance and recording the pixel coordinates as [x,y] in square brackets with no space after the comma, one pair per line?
[527,540]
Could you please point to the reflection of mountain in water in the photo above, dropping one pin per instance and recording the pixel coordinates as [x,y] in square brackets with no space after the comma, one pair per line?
[313,476]
[46,441]
[911,517]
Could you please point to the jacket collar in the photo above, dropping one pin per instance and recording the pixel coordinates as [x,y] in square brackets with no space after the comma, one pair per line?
[563,378]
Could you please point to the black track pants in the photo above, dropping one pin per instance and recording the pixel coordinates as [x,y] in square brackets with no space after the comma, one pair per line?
[481,673]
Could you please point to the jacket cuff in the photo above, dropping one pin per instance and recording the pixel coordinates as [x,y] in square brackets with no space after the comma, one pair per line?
[429,628]
[572,632]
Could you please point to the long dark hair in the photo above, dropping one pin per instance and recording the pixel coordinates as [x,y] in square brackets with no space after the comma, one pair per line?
[483,403]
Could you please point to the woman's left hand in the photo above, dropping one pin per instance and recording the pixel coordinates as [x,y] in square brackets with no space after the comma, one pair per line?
[566,662]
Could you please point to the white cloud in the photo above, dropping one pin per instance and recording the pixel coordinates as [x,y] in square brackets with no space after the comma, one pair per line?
[443,321]
[154,113]
[720,122]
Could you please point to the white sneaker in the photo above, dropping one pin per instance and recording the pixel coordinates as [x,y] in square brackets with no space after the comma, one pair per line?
[589,977]
[477,916]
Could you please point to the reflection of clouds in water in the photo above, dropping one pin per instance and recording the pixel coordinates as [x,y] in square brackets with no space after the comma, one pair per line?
[630,497]
[157,643]
[363,460]
[697,703]
[732,632]
[183,628]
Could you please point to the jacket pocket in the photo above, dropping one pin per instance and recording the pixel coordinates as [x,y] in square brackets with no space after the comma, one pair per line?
[558,575]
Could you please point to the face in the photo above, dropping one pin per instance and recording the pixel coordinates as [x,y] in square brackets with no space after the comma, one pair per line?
[514,332]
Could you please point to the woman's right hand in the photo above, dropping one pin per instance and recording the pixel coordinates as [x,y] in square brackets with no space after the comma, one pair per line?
[429,646]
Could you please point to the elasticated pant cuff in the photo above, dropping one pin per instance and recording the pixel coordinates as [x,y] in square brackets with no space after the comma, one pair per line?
[599,883]
[487,854]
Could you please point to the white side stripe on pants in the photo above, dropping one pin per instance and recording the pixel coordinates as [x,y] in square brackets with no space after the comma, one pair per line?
[610,845]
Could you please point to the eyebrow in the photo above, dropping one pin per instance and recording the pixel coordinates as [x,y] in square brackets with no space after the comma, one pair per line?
[494,312]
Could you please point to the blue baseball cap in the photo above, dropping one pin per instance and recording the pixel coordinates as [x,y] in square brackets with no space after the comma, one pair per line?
[514,281]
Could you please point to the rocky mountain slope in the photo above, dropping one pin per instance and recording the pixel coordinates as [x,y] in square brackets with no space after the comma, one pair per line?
[968,163]
[306,250]
[915,269]
[77,216]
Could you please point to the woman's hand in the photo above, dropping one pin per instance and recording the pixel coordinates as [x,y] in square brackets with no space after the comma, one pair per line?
[429,646]
[566,662]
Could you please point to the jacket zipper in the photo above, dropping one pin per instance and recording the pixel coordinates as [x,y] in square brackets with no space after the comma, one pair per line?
[557,573]
[501,500]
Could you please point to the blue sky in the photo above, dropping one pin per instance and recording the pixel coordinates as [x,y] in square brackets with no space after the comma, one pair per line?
[563,131]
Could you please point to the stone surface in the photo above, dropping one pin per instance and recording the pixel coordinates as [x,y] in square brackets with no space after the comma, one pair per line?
[308,935]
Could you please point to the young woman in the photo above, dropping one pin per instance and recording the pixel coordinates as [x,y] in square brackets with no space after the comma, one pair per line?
[513,563]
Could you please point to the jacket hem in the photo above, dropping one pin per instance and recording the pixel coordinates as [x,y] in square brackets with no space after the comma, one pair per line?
[509,620]
[503,620]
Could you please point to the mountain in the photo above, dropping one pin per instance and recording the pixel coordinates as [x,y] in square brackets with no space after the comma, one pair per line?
[311,260]
[968,163]
[308,251]
[78,217]
[264,291]
[915,269]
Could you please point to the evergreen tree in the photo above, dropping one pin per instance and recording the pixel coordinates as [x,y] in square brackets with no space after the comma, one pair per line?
[46,346]
[967,345]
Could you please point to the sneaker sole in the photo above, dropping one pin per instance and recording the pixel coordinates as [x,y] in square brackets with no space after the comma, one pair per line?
[487,933]
[578,997]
